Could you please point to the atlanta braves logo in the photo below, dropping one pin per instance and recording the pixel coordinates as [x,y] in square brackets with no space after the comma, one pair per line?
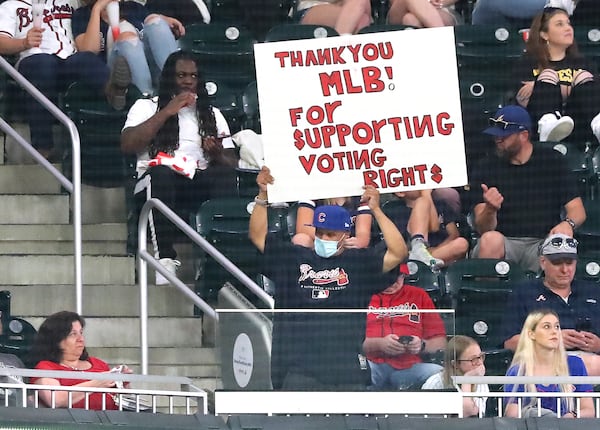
[59,12]
[24,16]
[323,277]
[401,310]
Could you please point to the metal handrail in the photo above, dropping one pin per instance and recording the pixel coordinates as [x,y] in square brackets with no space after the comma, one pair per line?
[187,388]
[144,258]
[74,186]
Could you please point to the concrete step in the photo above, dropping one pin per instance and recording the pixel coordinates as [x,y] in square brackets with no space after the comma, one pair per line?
[58,269]
[27,179]
[63,232]
[103,205]
[125,332]
[158,356]
[61,248]
[98,300]
[98,239]
[34,209]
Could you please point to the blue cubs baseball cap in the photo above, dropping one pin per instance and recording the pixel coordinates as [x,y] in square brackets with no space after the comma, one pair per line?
[509,120]
[331,217]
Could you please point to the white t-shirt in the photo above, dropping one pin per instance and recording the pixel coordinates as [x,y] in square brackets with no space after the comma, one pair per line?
[190,142]
[16,19]
[436,382]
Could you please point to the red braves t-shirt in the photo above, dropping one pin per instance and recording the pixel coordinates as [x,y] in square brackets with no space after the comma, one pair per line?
[394,314]
[95,399]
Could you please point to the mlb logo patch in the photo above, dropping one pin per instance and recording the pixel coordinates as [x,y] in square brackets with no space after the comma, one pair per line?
[320,294]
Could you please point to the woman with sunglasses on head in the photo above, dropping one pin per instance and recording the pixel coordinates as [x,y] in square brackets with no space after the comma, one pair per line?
[541,352]
[463,357]
[557,85]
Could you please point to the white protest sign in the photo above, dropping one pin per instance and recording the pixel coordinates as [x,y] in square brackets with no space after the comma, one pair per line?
[341,112]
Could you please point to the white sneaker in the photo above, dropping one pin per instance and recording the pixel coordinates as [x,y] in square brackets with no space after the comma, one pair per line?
[552,127]
[595,125]
[169,264]
[420,252]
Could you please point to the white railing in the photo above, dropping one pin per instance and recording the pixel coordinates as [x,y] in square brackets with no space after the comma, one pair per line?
[188,400]
[522,398]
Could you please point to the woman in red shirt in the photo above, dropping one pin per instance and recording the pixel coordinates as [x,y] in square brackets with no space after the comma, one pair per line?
[60,345]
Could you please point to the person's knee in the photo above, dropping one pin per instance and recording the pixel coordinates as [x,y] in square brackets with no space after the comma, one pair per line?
[461,245]
[153,18]
[128,36]
[491,245]
[363,5]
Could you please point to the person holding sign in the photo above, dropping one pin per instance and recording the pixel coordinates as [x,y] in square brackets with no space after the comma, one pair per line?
[520,191]
[322,348]
[360,218]
[345,16]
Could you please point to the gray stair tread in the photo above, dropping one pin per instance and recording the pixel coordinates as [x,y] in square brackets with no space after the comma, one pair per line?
[27,179]
[105,300]
[59,269]
[125,332]
[34,209]
[63,232]
[158,356]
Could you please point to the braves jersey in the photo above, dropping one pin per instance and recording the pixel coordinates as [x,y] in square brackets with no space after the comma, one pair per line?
[395,314]
[323,345]
[16,20]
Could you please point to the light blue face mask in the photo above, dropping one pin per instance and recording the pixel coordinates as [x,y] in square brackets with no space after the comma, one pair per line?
[326,248]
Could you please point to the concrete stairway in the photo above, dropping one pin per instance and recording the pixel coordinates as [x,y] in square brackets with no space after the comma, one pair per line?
[36,266]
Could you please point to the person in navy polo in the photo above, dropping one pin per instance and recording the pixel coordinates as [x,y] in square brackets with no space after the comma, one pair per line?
[576,302]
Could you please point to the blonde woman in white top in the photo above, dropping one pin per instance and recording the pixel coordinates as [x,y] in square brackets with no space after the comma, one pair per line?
[463,357]
[345,16]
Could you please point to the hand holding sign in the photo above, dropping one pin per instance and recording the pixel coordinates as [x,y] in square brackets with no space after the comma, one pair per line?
[344,124]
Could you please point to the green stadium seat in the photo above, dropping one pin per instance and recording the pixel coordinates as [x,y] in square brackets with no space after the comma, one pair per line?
[228,100]
[423,277]
[379,28]
[479,288]
[588,234]
[251,108]
[224,223]
[299,31]
[580,163]
[588,42]
[226,52]
[99,125]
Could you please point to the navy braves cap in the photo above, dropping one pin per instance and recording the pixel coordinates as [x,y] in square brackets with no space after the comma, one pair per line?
[331,217]
[509,120]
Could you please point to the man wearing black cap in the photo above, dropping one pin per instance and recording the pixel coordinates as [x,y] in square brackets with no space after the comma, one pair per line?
[520,192]
[321,349]
[577,303]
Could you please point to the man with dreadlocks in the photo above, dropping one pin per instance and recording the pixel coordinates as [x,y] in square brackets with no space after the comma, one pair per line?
[184,150]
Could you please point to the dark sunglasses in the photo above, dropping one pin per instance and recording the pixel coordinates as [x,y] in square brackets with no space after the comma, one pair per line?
[500,123]
[559,242]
